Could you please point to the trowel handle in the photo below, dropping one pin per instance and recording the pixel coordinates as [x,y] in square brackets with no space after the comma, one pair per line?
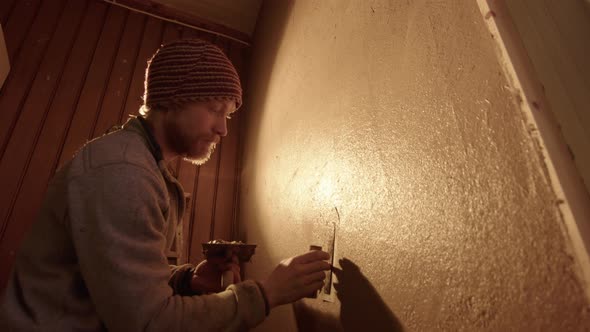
[227,278]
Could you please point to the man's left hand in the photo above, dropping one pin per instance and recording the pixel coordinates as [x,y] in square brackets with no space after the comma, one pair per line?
[207,276]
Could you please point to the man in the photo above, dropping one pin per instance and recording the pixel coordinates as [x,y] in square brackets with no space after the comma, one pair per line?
[95,260]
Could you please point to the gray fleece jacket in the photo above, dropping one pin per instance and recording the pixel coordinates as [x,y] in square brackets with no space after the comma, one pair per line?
[96,258]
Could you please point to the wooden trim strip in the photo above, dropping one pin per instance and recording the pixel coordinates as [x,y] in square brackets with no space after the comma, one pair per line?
[14,54]
[191,226]
[573,201]
[215,192]
[7,14]
[120,74]
[217,168]
[10,129]
[44,115]
[48,107]
[239,56]
[152,39]
[128,86]
[41,166]
[93,88]
[79,95]
[107,80]
[235,226]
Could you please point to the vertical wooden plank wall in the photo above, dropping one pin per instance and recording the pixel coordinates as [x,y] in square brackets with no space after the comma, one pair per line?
[77,70]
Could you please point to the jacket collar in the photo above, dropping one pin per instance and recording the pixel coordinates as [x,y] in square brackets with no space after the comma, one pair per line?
[140,125]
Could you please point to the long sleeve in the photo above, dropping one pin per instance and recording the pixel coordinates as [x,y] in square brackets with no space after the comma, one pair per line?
[180,277]
[118,214]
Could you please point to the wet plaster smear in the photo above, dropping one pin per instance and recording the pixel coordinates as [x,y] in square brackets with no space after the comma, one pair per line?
[393,121]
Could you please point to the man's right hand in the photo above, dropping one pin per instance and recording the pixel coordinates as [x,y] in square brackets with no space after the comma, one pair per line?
[296,277]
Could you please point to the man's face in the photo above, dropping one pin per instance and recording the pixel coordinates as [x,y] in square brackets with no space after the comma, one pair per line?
[193,130]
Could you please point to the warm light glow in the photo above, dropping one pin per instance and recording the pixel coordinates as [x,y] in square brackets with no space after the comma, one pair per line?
[325,189]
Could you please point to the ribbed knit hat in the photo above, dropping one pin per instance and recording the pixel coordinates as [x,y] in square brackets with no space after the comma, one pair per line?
[190,70]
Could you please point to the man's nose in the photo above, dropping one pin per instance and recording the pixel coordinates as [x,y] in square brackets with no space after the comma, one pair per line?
[221,127]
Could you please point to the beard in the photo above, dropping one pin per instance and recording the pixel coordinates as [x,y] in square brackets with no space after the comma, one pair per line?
[200,159]
[188,146]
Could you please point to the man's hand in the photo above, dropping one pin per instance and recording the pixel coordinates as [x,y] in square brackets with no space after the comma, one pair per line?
[207,276]
[296,278]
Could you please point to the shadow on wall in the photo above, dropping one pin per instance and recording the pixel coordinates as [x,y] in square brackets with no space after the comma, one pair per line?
[267,39]
[268,35]
[361,307]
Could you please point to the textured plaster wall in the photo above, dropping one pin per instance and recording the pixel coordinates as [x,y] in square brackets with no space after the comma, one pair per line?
[393,121]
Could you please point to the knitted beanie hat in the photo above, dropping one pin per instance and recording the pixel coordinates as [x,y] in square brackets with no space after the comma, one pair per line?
[190,70]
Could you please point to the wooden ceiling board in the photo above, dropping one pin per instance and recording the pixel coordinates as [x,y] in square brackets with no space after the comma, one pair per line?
[239,15]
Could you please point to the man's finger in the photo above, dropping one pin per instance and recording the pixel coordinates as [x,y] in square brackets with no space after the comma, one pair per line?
[315,267]
[313,287]
[232,267]
[205,286]
[237,276]
[217,260]
[314,255]
[314,277]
